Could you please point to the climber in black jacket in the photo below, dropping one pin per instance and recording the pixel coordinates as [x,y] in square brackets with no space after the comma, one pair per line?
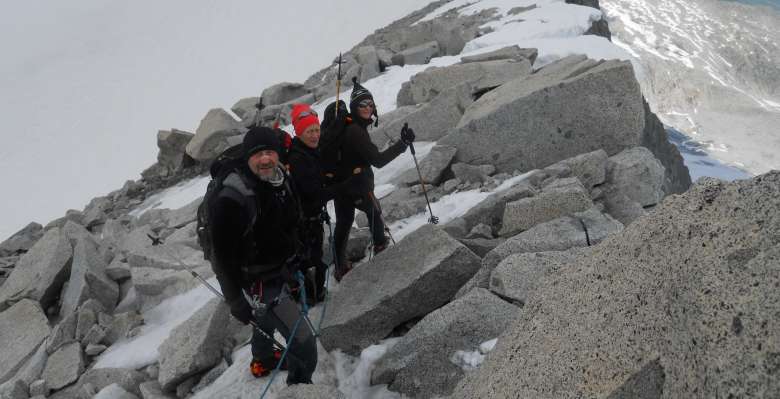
[306,171]
[359,153]
[257,251]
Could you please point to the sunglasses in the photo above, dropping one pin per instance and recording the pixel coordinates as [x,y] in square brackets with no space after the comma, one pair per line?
[366,104]
[307,113]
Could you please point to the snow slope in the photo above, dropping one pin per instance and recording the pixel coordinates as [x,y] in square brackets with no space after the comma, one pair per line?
[711,69]
[87,84]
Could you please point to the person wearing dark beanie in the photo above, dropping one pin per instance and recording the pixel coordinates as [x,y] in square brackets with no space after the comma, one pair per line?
[358,152]
[255,222]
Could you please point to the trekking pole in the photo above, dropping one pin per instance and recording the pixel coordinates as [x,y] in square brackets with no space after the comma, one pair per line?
[158,241]
[338,86]
[432,219]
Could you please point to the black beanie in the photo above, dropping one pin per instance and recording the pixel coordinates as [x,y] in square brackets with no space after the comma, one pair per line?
[260,138]
[360,93]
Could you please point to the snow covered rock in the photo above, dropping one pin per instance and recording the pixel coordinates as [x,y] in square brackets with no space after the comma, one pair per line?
[432,167]
[314,391]
[517,276]
[114,391]
[513,52]
[556,235]
[128,379]
[684,300]
[281,93]
[426,85]
[407,280]
[195,345]
[571,106]
[40,273]
[420,54]
[561,197]
[23,327]
[22,240]
[472,173]
[88,279]
[636,174]
[64,366]
[212,134]
[419,365]
[173,145]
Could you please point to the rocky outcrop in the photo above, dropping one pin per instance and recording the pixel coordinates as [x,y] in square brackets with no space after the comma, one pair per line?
[683,302]
[41,272]
[212,135]
[281,93]
[21,241]
[64,366]
[419,365]
[507,53]
[172,156]
[23,328]
[88,279]
[419,274]
[195,345]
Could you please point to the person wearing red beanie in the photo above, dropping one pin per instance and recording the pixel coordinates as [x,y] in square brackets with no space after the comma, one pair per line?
[305,168]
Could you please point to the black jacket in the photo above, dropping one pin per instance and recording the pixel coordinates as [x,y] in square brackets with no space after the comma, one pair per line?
[273,239]
[306,171]
[357,151]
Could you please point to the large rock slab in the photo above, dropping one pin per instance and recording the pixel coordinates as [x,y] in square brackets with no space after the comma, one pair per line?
[572,106]
[281,93]
[187,214]
[590,168]
[245,106]
[212,134]
[432,167]
[88,279]
[490,211]
[173,256]
[368,59]
[579,230]
[408,280]
[153,285]
[637,174]
[21,241]
[517,276]
[23,328]
[513,52]
[684,301]
[195,345]
[562,197]
[417,55]
[426,85]
[40,273]
[431,121]
[64,366]
[173,146]
[419,365]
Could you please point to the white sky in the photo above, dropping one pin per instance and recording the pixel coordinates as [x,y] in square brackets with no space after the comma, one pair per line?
[84,86]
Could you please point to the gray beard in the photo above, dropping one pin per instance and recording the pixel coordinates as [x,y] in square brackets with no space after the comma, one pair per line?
[276,179]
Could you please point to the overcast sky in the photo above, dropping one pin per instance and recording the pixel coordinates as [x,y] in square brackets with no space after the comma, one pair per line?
[85,85]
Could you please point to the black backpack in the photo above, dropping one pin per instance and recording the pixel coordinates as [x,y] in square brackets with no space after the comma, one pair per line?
[223,171]
[332,139]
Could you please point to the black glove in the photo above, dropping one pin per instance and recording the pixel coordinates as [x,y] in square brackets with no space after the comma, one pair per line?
[407,135]
[241,310]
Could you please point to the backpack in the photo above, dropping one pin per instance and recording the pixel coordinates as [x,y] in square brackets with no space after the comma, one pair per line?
[332,138]
[223,175]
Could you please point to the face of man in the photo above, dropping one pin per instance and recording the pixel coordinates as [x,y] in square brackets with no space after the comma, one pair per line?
[311,136]
[263,163]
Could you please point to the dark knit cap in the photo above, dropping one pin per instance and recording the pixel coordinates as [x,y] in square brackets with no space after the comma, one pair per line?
[360,93]
[260,138]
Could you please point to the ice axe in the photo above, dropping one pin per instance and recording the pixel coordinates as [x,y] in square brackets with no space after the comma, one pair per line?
[432,219]
[338,85]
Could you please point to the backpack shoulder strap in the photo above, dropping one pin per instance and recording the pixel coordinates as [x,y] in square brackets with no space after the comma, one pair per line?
[237,189]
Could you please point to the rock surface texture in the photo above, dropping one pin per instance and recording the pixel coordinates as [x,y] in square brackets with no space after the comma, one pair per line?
[685,302]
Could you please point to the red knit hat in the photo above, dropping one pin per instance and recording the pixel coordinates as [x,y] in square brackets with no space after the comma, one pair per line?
[302,117]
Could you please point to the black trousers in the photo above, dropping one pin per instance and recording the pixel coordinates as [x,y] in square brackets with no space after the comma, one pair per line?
[302,355]
[345,216]
[315,236]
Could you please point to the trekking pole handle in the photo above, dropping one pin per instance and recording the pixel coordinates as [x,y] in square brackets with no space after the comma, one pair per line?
[411,145]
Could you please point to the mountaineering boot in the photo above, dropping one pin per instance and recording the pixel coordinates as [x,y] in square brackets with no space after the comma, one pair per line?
[342,271]
[260,368]
[378,248]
